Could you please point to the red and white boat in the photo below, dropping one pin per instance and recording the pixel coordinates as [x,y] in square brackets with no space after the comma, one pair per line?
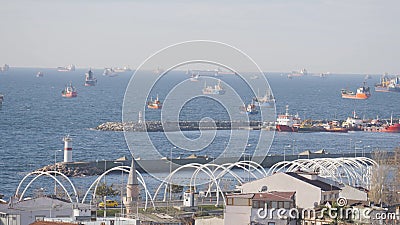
[287,122]
[156,104]
[69,91]
[392,127]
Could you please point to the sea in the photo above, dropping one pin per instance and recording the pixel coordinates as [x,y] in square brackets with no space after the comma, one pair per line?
[34,118]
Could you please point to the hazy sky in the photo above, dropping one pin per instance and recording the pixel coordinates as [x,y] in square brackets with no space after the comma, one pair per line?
[346,36]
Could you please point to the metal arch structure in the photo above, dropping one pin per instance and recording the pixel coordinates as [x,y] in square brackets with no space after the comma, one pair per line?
[215,173]
[343,170]
[49,174]
[126,170]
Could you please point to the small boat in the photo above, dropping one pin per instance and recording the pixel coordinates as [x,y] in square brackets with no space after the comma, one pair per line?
[287,122]
[194,77]
[1,99]
[216,90]
[334,127]
[66,68]
[90,80]
[39,74]
[109,72]
[267,100]
[4,68]
[249,109]
[156,104]
[362,93]
[69,91]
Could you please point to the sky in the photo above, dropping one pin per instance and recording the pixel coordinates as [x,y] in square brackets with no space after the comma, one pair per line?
[338,36]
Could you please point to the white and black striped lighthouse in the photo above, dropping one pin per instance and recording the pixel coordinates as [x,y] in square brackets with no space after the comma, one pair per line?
[67,149]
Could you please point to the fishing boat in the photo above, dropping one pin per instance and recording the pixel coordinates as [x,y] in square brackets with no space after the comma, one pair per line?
[362,93]
[156,104]
[90,80]
[109,72]
[39,74]
[287,122]
[69,91]
[267,100]
[216,90]
[66,68]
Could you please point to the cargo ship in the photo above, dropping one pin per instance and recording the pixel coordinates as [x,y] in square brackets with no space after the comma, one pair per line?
[267,100]
[122,69]
[156,104]
[392,127]
[69,92]
[109,72]
[4,68]
[287,122]
[300,73]
[216,90]
[90,80]
[362,93]
[66,68]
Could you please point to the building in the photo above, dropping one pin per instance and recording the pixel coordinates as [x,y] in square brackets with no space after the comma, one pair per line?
[310,191]
[259,208]
[37,209]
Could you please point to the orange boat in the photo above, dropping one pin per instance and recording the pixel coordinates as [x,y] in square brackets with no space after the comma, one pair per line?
[69,92]
[362,93]
[156,104]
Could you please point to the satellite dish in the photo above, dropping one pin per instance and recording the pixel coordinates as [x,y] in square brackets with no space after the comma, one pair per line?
[264,189]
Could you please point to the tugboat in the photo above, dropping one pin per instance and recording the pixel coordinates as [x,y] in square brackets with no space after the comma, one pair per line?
[362,93]
[69,91]
[287,122]
[266,101]
[90,80]
[39,74]
[216,90]
[156,104]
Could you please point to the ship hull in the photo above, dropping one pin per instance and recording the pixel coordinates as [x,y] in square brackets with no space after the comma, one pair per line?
[70,95]
[395,128]
[357,96]
[90,83]
[285,128]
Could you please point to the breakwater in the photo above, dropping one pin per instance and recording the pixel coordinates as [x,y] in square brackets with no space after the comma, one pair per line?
[166,126]
[77,169]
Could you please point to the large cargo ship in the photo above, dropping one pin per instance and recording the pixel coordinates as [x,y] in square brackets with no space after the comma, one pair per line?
[66,68]
[90,80]
[362,93]
[156,104]
[287,122]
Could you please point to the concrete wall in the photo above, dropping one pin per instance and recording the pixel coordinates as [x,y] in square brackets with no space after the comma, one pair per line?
[352,193]
[307,195]
[238,215]
[209,221]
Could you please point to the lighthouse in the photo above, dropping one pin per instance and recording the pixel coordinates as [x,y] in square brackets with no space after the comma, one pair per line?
[132,191]
[67,149]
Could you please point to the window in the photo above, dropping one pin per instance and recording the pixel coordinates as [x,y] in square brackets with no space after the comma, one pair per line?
[229,201]
[287,205]
[280,205]
[274,205]
[271,223]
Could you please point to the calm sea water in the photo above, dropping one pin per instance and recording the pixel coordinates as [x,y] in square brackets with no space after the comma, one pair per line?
[34,118]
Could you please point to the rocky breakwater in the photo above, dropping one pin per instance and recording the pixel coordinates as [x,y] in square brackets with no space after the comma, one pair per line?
[165,126]
[73,171]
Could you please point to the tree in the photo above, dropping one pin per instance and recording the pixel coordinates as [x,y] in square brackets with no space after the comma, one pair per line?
[104,190]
